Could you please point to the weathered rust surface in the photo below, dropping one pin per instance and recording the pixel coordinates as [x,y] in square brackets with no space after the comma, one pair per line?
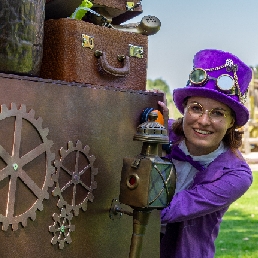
[21,36]
[103,118]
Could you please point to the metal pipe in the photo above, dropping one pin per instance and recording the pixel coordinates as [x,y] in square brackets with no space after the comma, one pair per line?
[140,222]
[149,149]
[149,25]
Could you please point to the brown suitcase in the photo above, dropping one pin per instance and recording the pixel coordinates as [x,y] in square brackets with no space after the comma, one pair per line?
[78,51]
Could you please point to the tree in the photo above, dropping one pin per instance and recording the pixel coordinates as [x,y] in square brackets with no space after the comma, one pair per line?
[159,84]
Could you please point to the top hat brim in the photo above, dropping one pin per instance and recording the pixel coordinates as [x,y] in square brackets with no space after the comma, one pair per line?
[179,95]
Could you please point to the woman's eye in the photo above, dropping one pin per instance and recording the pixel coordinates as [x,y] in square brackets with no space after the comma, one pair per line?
[196,108]
[217,113]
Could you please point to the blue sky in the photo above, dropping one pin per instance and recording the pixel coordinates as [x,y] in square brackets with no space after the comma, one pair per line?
[188,26]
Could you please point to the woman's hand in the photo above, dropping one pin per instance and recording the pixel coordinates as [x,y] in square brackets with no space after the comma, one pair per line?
[163,103]
[164,106]
[165,111]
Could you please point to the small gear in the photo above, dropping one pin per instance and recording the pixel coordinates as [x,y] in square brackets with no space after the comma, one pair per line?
[80,175]
[62,228]
[16,162]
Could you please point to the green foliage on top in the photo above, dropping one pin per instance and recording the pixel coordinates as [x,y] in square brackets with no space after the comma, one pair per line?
[159,84]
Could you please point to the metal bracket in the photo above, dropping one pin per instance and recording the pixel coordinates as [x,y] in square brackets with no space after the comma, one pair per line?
[87,41]
[136,163]
[116,212]
[136,51]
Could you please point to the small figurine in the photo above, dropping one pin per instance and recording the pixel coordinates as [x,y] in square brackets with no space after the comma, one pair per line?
[80,11]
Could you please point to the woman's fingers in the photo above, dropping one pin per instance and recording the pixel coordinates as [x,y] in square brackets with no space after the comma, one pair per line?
[163,105]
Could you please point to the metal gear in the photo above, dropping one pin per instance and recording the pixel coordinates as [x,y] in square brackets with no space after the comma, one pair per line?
[77,173]
[62,228]
[15,163]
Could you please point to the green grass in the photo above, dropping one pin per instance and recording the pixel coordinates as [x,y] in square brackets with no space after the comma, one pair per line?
[238,236]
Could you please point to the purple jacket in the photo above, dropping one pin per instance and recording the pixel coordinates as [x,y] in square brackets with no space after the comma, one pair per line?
[194,215]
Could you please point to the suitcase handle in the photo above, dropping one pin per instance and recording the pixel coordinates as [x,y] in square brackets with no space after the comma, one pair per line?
[101,55]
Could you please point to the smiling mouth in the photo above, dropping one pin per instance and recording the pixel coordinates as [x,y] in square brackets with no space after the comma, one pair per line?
[202,131]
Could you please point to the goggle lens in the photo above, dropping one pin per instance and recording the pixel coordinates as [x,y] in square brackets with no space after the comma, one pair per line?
[198,76]
[225,82]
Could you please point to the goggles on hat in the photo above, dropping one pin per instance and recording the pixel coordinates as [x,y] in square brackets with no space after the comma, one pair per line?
[225,83]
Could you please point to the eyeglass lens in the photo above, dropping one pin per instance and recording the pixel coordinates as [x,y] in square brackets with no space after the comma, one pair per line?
[196,110]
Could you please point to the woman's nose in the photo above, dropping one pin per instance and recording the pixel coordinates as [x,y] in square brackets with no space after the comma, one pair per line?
[205,117]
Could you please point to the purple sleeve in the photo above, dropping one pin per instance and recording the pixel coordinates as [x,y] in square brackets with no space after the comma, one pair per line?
[208,197]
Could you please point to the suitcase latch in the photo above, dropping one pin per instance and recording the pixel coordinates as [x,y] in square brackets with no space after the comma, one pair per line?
[87,41]
[136,51]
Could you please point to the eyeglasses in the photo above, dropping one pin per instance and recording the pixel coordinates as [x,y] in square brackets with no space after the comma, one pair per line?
[196,110]
[225,83]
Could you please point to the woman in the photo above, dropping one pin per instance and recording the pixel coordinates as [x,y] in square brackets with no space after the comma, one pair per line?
[211,172]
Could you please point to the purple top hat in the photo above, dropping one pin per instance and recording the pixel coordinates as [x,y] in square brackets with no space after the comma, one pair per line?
[221,76]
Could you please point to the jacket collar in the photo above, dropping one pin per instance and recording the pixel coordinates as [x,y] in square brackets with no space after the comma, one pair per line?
[221,165]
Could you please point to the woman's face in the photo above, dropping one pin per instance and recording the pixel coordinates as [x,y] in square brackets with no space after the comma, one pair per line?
[204,132]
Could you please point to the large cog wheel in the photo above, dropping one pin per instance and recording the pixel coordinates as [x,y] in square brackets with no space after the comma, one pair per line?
[76,177]
[15,163]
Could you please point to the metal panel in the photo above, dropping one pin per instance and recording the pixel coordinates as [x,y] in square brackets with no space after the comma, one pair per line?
[103,118]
